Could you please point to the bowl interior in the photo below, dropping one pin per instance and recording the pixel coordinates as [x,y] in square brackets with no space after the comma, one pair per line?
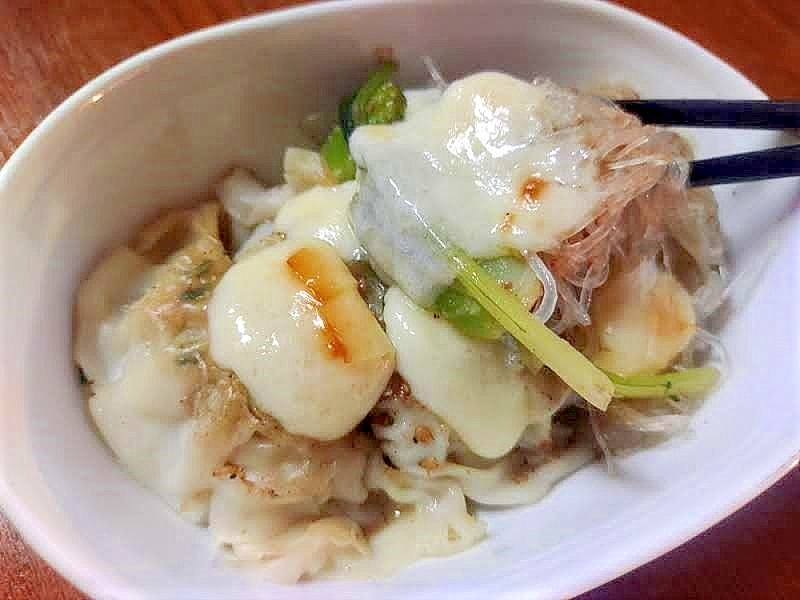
[161,128]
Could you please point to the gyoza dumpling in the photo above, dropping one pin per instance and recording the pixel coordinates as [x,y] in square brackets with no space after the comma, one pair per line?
[169,414]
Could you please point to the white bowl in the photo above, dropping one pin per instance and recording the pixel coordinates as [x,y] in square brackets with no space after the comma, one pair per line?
[162,126]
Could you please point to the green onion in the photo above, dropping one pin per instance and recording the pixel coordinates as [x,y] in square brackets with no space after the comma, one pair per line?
[204,268]
[567,362]
[194,293]
[336,154]
[687,382]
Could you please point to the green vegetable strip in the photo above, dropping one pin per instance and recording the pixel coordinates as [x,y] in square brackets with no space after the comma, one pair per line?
[378,101]
[336,154]
[688,382]
[569,364]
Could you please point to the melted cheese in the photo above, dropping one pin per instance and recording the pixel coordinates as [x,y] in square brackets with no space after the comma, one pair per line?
[322,213]
[272,330]
[416,100]
[465,382]
[492,485]
[494,163]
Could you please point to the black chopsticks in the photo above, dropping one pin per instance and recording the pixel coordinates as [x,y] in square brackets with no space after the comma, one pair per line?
[734,114]
[750,166]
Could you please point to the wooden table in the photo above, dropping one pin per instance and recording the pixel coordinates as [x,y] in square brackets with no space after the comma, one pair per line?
[48,48]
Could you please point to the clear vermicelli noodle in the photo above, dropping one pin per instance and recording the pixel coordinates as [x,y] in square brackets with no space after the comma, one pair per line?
[467,293]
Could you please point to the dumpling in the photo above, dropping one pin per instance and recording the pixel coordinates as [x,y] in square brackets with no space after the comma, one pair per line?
[432,519]
[289,541]
[290,469]
[274,501]
[289,321]
[641,320]
[168,414]
[282,499]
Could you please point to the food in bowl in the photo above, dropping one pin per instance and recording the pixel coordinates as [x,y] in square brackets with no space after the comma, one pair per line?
[468,293]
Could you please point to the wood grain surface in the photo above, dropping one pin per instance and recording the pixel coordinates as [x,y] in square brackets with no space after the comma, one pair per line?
[49,48]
